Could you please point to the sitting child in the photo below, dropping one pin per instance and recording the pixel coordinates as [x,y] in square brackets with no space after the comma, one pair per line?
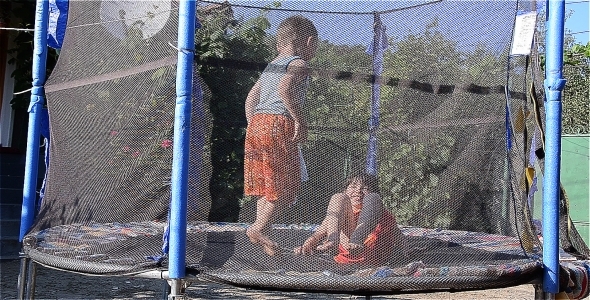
[357,227]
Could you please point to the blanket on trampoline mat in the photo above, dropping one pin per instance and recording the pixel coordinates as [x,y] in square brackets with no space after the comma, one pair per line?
[221,252]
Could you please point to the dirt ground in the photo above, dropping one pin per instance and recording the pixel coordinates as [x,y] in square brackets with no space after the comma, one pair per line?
[54,284]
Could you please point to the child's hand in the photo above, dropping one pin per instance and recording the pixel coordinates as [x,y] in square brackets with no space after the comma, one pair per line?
[300,135]
[307,248]
[353,248]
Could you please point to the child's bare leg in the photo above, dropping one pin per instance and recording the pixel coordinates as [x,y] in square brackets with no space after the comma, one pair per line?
[367,221]
[266,212]
[328,233]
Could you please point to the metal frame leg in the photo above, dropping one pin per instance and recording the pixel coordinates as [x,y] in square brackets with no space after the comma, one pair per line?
[538,291]
[23,277]
[166,290]
[32,280]
[176,289]
[27,278]
[540,294]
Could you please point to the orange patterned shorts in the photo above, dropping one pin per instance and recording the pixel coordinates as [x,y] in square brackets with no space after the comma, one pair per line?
[271,160]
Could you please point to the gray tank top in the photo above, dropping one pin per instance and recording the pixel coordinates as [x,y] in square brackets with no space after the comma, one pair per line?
[270,101]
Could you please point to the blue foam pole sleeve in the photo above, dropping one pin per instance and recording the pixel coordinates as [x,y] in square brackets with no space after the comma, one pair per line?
[554,84]
[35,115]
[180,160]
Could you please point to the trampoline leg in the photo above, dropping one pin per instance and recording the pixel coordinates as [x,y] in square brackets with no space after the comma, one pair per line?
[176,289]
[538,291]
[23,277]
[166,290]
[32,280]
[540,294]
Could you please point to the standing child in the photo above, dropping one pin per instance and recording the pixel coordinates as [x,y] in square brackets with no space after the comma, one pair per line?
[276,126]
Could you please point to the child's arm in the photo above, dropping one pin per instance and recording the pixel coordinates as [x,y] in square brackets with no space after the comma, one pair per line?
[288,89]
[252,100]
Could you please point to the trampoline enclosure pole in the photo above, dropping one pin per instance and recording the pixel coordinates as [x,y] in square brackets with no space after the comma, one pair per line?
[377,47]
[35,108]
[554,84]
[178,203]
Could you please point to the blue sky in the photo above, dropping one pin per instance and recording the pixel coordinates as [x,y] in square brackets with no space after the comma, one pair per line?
[474,21]
[579,19]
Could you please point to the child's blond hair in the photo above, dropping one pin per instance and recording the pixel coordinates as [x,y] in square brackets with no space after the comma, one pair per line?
[295,29]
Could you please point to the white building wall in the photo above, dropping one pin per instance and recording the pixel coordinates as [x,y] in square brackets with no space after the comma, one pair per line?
[7,113]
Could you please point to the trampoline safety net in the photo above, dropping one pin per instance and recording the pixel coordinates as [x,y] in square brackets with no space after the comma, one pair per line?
[424,96]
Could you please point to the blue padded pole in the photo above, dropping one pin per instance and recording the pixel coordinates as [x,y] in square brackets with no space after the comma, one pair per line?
[378,48]
[35,115]
[178,203]
[554,84]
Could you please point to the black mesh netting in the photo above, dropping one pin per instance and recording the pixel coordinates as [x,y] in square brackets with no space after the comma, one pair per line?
[450,167]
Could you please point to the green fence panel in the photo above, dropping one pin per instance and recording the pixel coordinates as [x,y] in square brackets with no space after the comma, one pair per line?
[575,177]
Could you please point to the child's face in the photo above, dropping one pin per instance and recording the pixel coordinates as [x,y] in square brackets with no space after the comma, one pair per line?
[356,191]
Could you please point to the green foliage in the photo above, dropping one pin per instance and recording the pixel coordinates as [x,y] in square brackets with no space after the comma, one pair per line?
[411,160]
[413,163]
[576,71]
[576,94]
[577,54]
[334,102]
[429,57]
[409,175]
[222,37]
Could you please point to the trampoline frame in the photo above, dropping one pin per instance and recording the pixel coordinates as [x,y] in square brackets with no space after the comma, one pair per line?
[554,84]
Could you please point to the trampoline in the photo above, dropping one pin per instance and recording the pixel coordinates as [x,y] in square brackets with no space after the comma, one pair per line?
[145,151]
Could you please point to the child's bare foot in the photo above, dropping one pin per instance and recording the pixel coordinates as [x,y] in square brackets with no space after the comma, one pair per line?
[271,249]
[326,246]
[355,249]
[298,250]
[305,249]
[250,233]
[256,237]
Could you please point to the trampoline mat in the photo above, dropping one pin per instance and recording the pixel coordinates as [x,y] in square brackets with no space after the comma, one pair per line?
[221,252]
